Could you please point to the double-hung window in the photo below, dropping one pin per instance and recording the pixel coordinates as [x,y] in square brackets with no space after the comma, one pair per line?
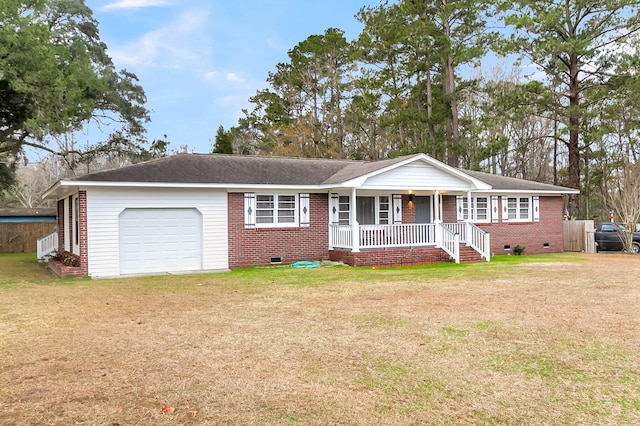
[479,212]
[516,209]
[344,209]
[384,217]
[275,209]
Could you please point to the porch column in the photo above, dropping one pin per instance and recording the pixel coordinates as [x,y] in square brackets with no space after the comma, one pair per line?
[467,231]
[437,218]
[355,228]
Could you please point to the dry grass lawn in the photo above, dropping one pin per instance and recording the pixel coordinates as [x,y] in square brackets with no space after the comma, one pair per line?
[533,340]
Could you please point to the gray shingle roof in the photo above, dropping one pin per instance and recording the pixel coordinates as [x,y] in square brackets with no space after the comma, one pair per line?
[513,184]
[257,170]
[220,168]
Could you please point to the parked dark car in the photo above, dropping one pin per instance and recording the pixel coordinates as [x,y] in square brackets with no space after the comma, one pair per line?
[610,237]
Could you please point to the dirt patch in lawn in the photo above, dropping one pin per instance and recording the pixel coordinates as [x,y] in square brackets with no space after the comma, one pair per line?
[529,343]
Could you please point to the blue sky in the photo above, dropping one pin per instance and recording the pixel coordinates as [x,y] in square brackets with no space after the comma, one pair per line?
[199,61]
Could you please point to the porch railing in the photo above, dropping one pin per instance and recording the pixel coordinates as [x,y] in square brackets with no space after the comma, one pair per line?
[479,240]
[379,236]
[46,245]
[450,243]
[447,236]
[376,236]
[459,228]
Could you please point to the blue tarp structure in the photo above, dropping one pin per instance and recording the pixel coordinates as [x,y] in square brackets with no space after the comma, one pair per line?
[305,264]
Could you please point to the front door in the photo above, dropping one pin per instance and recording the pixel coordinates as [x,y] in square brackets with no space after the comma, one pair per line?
[423,209]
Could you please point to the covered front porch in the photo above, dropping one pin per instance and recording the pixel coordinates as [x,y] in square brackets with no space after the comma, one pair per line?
[450,238]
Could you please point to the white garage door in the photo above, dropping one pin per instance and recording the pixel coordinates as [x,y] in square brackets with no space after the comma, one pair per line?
[160,240]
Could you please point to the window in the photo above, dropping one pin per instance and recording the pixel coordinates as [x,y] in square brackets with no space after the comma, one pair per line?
[370,210]
[365,210]
[479,209]
[383,210]
[482,209]
[516,208]
[344,208]
[275,209]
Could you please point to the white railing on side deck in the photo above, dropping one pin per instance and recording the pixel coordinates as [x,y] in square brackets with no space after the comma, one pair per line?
[47,245]
[479,241]
[450,242]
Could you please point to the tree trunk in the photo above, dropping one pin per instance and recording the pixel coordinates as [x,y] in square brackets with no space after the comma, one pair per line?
[574,137]
[432,133]
[449,83]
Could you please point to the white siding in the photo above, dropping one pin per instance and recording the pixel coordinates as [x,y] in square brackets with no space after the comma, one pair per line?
[417,176]
[104,206]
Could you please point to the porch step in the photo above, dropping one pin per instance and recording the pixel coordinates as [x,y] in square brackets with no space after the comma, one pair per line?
[469,255]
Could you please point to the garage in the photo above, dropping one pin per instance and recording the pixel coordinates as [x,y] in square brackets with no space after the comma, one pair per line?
[160,240]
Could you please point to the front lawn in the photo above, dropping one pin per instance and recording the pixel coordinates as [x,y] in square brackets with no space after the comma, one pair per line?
[526,340]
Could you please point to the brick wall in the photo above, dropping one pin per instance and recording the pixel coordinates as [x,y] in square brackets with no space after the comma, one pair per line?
[530,235]
[408,210]
[391,257]
[256,246]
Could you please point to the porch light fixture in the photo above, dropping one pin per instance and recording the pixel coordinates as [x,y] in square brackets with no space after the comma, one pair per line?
[411,198]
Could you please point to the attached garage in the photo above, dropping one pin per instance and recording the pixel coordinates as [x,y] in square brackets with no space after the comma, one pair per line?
[160,240]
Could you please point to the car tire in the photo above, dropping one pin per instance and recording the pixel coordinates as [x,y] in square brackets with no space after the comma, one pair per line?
[635,248]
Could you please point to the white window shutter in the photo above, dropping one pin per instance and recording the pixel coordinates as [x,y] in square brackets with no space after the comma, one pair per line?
[334,206]
[304,210]
[397,208]
[505,209]
[494,209]
[536,209]
[249,210]
[460,208]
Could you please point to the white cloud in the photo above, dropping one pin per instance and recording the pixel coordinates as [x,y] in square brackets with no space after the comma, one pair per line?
[232,76]
[135,4]
[183,44]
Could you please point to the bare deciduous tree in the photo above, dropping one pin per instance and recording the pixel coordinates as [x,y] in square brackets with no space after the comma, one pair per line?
[622,196]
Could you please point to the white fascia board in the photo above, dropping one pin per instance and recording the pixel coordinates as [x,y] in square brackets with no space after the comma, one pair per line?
[526,192]
[51,190]
[226,186]
[60,189]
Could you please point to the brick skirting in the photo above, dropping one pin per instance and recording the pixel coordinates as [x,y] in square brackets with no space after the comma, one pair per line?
[63,267]
[391,257]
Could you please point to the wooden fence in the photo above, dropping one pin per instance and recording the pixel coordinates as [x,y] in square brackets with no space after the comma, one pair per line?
[21,237]
[579,236]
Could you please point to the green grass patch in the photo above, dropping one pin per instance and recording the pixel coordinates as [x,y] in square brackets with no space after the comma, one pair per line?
[23,268]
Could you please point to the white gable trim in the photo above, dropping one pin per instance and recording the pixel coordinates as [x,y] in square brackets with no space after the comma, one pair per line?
[474,184]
